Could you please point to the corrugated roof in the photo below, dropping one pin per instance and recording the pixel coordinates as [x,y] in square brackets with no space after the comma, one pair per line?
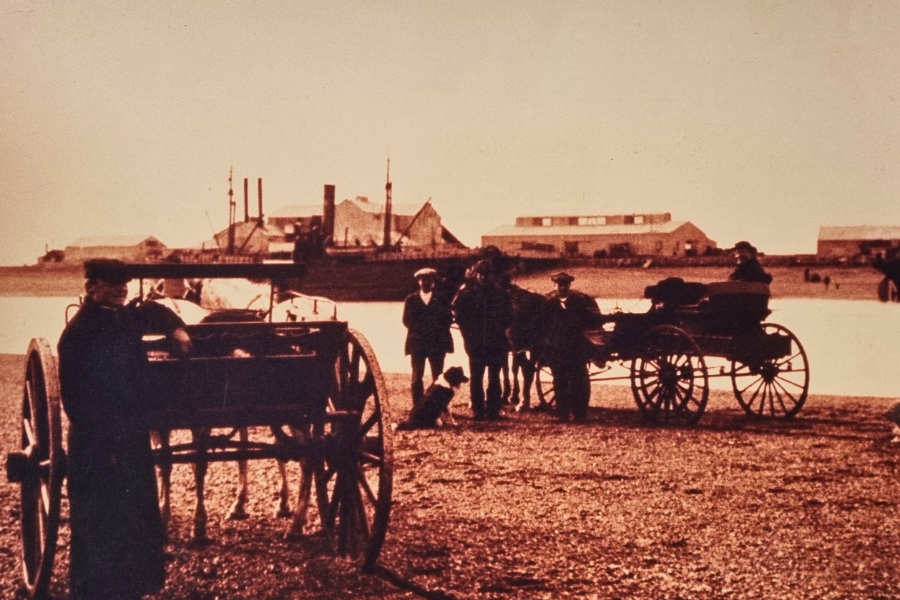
[112,240]
[860,232]
[636,229]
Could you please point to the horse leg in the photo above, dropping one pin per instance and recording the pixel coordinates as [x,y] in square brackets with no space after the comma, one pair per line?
[160,439]
[198,531]
[298,523]
[514,399]
[505,372]
[238,509]
[283,508]
[526,365]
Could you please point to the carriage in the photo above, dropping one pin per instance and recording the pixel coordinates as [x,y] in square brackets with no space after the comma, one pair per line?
[311,380]
[668,352]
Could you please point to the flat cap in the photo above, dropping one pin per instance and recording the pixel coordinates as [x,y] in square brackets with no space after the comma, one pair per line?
[109,270]
[744,245]
[562,277]
[425,272]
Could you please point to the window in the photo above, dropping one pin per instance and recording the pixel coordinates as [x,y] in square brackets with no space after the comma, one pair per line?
[639,219]
[629,219]
[592,220]
[546,221]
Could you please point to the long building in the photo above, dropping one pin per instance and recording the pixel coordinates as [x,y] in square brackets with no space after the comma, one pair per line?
[651,234]
[857,240]
[128,248]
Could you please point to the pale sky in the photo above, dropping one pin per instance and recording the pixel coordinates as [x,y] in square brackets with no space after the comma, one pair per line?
[754,120]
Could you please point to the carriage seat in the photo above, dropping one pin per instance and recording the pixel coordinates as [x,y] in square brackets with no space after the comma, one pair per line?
[675,292]
[741,296]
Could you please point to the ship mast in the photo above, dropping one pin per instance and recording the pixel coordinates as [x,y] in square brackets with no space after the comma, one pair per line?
[386,243]
[231,211]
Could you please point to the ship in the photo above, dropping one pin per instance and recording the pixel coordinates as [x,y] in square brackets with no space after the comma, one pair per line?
[343,269]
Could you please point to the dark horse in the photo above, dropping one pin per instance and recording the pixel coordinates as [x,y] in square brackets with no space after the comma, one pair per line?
[525,334]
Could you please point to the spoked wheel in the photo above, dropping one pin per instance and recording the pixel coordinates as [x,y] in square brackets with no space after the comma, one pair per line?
[670,382]
[545,385]
[39,467]
[354,477]
[775,387]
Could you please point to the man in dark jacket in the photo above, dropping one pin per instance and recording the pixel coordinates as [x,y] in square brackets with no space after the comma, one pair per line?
[748,268]
[483,312]
[117,534]
[427,317]
[567,314]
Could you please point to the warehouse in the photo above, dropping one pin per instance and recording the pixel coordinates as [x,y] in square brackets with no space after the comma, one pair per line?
[127,248]
[654,234]
[856,241]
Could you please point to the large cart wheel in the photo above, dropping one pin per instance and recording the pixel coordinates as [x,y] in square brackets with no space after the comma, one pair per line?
[354,477]
[669,382]
[39,467]
[775,387]
[546,389]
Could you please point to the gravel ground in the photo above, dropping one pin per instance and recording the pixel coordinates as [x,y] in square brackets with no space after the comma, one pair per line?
[526,508]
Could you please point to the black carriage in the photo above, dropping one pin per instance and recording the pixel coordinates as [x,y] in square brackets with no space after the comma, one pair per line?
[665,351]
[314,376]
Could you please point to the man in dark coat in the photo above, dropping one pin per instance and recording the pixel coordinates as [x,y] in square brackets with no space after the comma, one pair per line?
[483,311]
[748,268]
[427,317]
[117,534]
[567,314]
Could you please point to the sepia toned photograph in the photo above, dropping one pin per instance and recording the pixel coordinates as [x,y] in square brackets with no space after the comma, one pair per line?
[450,300]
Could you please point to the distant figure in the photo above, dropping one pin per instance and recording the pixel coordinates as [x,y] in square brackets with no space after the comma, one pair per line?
[827,281]
[748,268]
[806,274]
[567,314]
[427,317]
[483,311]
[434,407]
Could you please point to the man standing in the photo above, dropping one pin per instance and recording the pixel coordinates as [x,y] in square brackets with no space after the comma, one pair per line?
[117,534]
[483,312]
[427,317]
[748,268]
[567,314]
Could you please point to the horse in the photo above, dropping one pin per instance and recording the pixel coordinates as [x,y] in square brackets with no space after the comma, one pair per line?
[217,304]
[524,334]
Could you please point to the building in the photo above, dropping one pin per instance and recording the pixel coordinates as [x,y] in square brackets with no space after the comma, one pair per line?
[253,239]
[855,241]
[360,223]
[126,248]
[601,236]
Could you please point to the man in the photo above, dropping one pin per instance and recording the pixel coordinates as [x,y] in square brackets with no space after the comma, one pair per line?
[117,534]
[748,268]
[483,312]
[567,314]
[427,317]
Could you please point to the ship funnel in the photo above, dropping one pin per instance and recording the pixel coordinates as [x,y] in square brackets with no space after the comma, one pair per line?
[259,191]
[246,203]
[328,213]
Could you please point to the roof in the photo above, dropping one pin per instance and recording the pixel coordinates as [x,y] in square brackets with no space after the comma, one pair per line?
[635,229]
[112,240]
[378,208]
[860,232]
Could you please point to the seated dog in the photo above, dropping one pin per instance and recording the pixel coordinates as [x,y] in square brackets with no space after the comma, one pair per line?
[436,401]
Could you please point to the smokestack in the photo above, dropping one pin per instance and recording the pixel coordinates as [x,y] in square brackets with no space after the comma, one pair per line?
[259,190]
[246,203]
[328,213]
[388,209]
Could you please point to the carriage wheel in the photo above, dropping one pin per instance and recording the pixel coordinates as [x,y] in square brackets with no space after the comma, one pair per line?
[39,467]
[670,382]
[775,387]
[354,477]
[546,392]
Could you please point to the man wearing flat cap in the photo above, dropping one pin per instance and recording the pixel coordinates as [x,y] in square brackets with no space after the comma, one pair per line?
[567,314]
[427,317]
[117,537]
[483,311]
[748,268]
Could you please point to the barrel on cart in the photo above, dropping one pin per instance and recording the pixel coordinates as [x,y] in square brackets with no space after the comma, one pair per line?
[316,376]
[666,352]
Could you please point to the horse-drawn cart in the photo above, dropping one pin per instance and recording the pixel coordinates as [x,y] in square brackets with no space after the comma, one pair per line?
[666,349]
[314,383]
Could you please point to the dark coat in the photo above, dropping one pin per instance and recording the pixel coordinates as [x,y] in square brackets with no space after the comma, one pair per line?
[428,325]
[117,534]
[564,339]
[483,313]
[750,270]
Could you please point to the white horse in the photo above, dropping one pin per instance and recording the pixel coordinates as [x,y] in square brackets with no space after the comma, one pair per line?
[216,295]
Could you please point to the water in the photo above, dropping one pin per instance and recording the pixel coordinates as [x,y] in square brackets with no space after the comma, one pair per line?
[852,345]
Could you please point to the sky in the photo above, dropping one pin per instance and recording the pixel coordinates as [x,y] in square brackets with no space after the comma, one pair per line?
[753,119]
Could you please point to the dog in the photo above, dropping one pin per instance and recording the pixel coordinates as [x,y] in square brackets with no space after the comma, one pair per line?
[434,408]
